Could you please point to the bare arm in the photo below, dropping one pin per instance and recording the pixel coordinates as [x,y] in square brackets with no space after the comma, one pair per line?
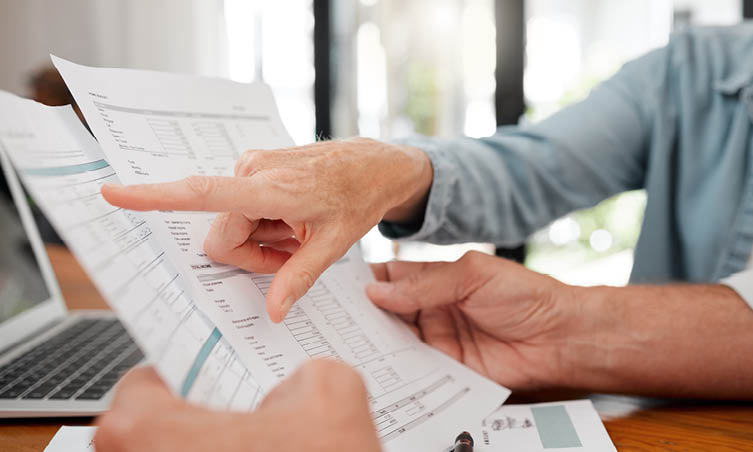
[693,341]
[528,331]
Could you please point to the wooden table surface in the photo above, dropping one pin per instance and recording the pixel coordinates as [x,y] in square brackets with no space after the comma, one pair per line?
[634,424]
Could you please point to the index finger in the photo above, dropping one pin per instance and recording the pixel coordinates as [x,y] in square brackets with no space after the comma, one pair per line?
[198,193]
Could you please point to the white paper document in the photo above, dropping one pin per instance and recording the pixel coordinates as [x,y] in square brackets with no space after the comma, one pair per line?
[561,426]
[63,168]
[203,324]
[72,439]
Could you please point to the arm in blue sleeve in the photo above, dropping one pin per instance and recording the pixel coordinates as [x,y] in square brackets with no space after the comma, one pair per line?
[503,188]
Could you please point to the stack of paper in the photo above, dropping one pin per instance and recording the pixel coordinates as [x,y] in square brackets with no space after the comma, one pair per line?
[202,324]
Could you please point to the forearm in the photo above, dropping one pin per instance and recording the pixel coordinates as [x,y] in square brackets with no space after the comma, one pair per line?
[689,341]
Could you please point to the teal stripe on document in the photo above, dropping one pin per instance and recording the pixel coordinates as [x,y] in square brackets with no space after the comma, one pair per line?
[199,361]
[555,427]
[67,170]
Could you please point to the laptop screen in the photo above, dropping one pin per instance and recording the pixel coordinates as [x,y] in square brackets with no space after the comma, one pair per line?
[22,285]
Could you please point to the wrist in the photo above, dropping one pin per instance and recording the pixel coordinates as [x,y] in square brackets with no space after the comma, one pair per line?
[586,345]
[635,340]
[416,175]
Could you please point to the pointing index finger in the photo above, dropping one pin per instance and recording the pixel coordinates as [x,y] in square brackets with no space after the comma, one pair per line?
[195,193]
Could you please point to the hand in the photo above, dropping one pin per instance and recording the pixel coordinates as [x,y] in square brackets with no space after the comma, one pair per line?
[322,407]
[294,211]
[528,331]
[493,315]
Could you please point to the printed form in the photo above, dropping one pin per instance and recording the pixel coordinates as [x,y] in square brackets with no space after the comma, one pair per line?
[156,127]
[572,425]
[564,426]
[63,168]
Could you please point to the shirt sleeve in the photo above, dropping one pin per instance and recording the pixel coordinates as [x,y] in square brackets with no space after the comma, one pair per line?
[503,188]
[742,283]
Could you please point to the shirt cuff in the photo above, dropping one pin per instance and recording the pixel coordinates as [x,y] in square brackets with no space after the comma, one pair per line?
[439,195]
[742,283]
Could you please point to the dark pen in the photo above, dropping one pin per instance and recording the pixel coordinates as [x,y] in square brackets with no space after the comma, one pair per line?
[463,443]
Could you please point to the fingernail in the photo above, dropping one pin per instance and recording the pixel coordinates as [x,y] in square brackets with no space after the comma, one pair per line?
[380,289]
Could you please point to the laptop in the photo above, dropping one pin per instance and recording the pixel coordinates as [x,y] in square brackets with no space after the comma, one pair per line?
[52,362]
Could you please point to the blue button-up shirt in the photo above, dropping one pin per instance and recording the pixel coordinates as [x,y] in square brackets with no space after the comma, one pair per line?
[677,122]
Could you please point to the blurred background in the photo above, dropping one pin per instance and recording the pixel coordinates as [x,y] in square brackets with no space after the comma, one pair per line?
[383,69]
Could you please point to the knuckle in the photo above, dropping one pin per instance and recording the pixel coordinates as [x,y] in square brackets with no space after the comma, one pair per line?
[215,243]
[250,162]
[472,259]
[306,277]
[214,249]
[475,269]
[409,290]
[240,165]
[201,186]
[413,280]
[246,156]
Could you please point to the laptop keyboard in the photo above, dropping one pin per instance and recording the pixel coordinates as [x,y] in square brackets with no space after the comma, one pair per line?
[82,362]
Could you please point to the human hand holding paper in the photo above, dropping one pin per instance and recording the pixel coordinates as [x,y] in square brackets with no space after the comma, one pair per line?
[157,128]
[293,211]
[495,316]
[146,415]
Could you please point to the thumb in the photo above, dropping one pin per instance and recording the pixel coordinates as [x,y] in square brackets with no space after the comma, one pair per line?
[299,273]
[419,285]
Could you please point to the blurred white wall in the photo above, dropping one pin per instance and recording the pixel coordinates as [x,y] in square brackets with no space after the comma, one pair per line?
[573,43]
[225,38]
[172,35]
